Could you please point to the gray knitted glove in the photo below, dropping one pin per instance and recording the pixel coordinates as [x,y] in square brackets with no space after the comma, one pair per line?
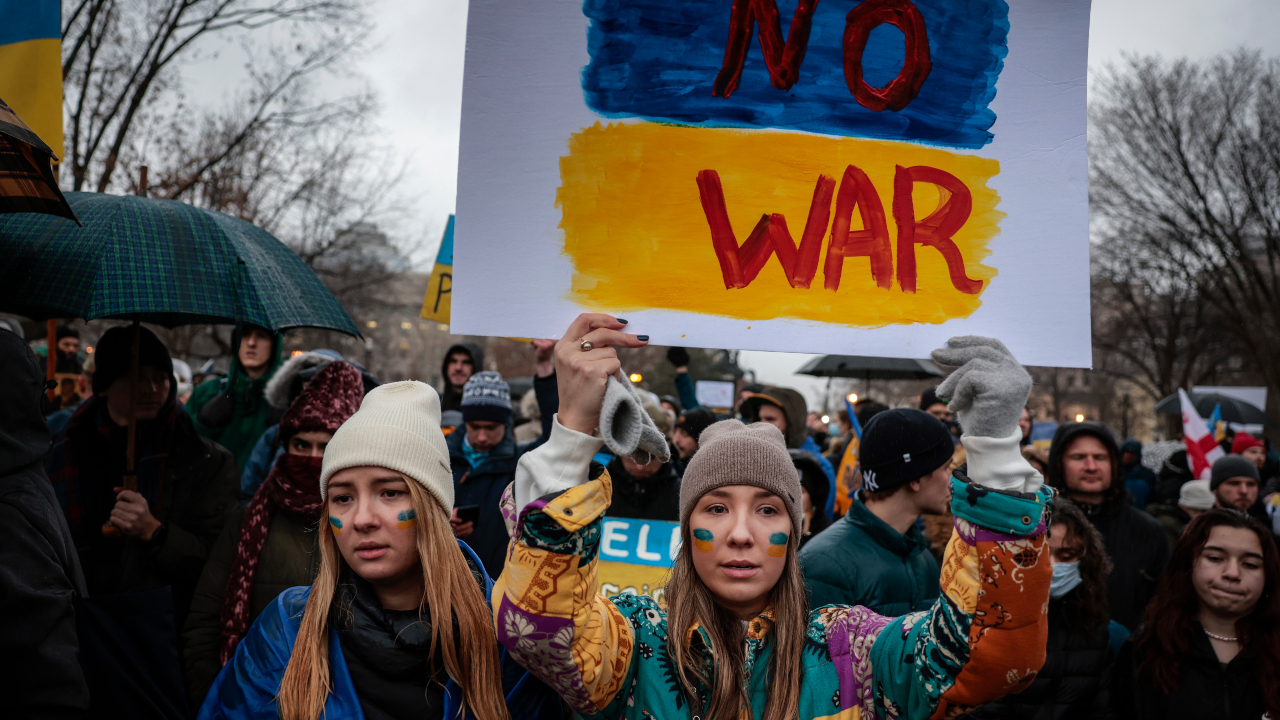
[626,428]
[989,389]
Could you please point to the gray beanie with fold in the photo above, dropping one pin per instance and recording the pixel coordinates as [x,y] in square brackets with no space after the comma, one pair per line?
[730,453]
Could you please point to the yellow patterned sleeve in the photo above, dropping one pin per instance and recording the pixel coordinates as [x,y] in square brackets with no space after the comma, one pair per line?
[546,609]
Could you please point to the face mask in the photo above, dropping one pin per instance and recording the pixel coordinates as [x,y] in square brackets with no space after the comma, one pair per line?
[1066,576]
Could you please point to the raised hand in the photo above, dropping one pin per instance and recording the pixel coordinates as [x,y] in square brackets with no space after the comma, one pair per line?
[582,373]
[989,389]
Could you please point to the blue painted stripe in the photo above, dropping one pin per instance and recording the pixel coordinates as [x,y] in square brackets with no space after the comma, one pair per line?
[658,60]
[22,20]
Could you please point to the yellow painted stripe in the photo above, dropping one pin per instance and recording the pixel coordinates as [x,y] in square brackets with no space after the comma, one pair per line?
[638,237]
[31,83]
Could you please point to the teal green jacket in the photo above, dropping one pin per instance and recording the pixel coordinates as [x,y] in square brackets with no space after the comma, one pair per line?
[251,408]
[983,638]
[860,560]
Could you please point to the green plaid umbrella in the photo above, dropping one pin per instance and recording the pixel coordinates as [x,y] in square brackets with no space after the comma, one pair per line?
[158,261]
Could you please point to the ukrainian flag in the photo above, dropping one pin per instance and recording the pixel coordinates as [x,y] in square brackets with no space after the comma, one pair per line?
[31,65]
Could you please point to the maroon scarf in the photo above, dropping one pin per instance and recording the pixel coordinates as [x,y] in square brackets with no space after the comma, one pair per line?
[292,486]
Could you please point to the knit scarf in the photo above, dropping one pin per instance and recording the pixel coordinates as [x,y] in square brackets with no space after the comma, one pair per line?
[292,486]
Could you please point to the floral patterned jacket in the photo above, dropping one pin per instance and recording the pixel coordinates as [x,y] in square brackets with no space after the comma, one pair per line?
[607,657]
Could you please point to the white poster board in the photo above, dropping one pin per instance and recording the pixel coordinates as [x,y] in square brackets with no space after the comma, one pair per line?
[613,159]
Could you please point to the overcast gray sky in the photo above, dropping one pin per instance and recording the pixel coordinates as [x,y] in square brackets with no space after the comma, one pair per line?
[416,66]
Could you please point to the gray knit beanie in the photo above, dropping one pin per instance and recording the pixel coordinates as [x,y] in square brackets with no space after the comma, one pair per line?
[1229,466]
[486,397]
[730,453]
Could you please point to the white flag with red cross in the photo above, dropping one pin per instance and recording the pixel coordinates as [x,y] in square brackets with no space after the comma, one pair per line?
[1202,447]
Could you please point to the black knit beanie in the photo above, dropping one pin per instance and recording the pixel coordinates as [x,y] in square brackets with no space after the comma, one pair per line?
[695,421]
[111,355]
[1229,466]
[902,445]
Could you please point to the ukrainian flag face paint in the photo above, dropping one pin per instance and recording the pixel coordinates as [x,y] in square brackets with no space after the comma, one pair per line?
[702,539]
[407,519]
[336,524]
[777,544]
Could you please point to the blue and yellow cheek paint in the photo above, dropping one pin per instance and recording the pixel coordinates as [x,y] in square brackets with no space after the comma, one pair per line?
[777,545]
[336,524]
[702,539]
[407,519]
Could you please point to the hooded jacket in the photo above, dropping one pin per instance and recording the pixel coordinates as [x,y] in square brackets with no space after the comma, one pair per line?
[451,399]
[1136,543]
[1205,690]
[860,560]
[250,413]
[1139,479]
[39,569]
[247,686]
[796,410]
[190,482]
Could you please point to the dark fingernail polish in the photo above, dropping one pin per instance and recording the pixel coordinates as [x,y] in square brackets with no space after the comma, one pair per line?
[642,338]
[624,322]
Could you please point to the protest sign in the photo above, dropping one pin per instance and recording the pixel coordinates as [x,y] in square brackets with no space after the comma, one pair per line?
[714,393]
[872,179]
[636,555]
[437,303]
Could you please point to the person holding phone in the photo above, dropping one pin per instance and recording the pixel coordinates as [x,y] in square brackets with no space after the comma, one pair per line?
[483,458]
[735,637]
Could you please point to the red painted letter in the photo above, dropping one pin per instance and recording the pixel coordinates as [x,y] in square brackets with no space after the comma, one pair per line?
[782,60]
[871,241]
[801,265]
[738,265]
[954,205]
[859,23]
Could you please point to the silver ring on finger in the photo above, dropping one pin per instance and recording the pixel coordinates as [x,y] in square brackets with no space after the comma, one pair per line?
[586,346]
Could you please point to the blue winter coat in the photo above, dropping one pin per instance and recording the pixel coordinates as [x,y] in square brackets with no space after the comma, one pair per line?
[247,686]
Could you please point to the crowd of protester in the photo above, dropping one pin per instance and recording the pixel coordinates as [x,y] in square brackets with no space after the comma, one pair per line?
[294,539]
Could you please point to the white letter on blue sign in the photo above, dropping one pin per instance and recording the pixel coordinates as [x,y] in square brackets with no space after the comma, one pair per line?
[613,532]
[642,543]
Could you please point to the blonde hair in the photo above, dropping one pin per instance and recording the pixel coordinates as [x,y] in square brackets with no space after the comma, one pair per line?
[690,603]
[450,592]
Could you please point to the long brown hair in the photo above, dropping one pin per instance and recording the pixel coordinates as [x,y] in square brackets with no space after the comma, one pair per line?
[450,593]
[1175,608]
[690,603]
[1087,604]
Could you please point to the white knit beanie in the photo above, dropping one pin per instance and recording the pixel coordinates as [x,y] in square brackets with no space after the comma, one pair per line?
[397,427]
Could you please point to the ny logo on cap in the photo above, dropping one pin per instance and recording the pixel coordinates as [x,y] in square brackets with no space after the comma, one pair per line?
[869,480]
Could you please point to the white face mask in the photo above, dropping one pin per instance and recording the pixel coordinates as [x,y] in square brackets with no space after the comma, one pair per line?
[1066,576]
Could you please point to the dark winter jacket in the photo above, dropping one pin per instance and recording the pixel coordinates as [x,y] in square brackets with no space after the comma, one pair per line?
[39,569]
[1073,683]
[451,399]
[484,485]
[656,497]
[242,411]
[289,559]
[1135,542]
[191,483]
[1173,519]
[1206,690]
[860,560]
